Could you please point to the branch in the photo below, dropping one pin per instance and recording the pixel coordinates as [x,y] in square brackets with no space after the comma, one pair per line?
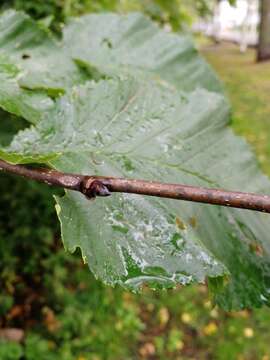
[92,186]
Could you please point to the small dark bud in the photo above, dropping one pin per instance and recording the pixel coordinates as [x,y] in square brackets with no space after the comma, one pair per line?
[101,190]
[94,189]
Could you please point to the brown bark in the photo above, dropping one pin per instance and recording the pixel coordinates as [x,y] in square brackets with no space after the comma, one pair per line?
[264,35]
[93,186]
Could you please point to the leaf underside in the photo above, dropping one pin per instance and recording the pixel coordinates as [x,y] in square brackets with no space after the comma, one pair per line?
[120,97]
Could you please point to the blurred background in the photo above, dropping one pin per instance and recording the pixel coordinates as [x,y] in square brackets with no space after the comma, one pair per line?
[50,305]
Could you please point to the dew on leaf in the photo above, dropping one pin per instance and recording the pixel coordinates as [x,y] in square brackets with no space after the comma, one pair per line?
[205,258]
[182,278]
[188,257]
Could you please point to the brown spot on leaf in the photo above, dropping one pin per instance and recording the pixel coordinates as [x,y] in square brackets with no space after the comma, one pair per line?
[180,224]
[256,248]
[193,221]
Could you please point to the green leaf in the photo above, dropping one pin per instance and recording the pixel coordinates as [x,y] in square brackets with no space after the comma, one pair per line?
[125,239]
[42,61]
[124,127]
[113,44]
[152,117]
[18,101]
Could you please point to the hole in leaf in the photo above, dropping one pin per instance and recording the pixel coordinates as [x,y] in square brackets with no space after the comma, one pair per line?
[25,56]
[107,42]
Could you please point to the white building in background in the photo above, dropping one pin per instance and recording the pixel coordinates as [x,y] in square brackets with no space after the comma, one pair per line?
[234,23]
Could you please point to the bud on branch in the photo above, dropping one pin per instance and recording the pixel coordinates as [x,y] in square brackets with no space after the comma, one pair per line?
[93,186]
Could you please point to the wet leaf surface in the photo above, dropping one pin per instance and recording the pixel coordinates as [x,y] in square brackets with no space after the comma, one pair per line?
[154,125]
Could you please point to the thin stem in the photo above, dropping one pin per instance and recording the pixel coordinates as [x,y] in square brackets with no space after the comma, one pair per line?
[92,186]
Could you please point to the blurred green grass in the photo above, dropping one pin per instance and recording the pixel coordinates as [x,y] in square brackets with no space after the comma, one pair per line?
[248,86]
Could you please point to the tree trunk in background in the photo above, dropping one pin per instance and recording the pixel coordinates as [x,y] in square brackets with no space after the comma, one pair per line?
[264,37]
